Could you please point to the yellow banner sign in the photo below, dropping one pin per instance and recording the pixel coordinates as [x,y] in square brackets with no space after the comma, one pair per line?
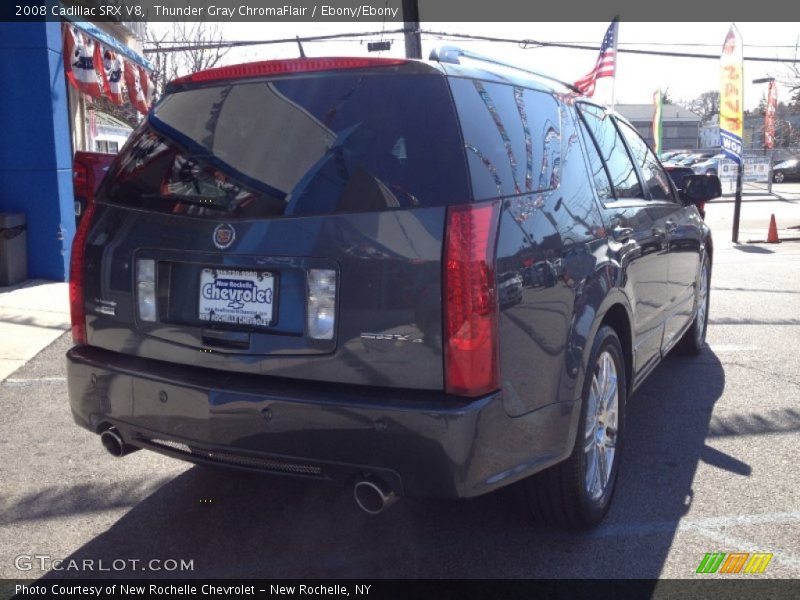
[731,96]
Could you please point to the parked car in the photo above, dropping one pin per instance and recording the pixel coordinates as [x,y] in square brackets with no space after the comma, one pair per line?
[88,170]
[708,166]
[509,288]
[786,170]
[292,268]
[676,158]
[669,154]
[692,159]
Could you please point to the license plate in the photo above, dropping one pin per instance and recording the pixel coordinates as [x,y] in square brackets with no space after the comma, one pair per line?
[236,297]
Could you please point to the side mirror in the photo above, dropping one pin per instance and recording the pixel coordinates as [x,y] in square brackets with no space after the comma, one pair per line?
[698,189]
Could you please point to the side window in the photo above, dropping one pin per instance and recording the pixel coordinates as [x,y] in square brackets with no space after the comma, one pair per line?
[656,179]
[512,137]
[601,182]
[624,179]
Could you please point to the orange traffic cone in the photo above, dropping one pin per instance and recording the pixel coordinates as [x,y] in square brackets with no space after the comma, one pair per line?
[772,234]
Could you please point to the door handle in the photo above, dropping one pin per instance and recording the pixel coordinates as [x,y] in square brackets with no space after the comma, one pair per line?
[621,234]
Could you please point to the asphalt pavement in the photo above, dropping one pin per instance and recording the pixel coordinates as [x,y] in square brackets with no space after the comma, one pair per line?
[710,465]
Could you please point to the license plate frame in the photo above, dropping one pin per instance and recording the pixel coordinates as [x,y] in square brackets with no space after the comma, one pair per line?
[233,297]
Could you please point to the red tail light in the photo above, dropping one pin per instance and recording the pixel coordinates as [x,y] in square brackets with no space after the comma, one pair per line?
[76,270]
[470,294]
[280,67]
[80,180]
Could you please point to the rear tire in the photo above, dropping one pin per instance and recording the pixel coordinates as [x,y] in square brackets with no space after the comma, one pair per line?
[576,494]
[693,341]
[778,177]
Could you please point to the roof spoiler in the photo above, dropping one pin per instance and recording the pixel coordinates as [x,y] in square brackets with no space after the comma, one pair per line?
[282,67]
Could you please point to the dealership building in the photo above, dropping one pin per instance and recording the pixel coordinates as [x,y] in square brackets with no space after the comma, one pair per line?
[680,127]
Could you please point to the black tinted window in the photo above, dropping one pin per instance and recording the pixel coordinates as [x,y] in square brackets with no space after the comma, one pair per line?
[512,137]
[612,149]
[654,176]
[297,146]
[599,174]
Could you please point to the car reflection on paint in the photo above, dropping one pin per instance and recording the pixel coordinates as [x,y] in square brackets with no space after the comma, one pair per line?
[509,287]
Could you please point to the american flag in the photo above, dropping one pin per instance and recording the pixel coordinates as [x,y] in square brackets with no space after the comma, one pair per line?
[606,63]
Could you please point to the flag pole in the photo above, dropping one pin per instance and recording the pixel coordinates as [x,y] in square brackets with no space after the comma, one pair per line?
[616,65]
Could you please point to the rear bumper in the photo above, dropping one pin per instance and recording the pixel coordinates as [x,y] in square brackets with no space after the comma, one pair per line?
[421,443]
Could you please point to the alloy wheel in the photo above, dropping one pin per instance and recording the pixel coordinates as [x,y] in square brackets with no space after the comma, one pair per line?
[702,304]
[602,422]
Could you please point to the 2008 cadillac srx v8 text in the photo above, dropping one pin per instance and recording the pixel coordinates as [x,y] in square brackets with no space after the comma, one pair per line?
[421,278]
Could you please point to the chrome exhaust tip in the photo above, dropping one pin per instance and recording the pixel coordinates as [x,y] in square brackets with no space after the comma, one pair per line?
[373,496]
[114,444]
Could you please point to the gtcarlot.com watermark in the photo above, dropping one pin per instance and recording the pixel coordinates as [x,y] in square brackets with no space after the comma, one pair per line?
[45,562]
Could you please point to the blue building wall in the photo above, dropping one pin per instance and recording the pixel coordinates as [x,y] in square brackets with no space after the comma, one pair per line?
[35,147]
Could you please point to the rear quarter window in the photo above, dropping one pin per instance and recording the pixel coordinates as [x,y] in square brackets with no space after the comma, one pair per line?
[307,145]
[512,137]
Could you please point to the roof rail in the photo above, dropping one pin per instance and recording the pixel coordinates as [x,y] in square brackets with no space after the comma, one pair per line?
[452,54]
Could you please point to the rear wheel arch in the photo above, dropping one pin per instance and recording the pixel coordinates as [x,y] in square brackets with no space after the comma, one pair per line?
[562,494]
[614,311]
[709,247]
[618,318]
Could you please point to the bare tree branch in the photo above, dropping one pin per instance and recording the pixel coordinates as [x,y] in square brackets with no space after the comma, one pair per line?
[196,57]
[791,78]
[706,105]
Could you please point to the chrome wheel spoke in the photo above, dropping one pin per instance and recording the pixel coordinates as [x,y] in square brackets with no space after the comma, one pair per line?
[609,454]
[602,466]
[597,486]
[591,469]
[605,371]
[589,442]
[591,409]
[610,399]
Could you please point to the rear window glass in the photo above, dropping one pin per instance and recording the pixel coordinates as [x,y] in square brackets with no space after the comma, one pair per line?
[296,146]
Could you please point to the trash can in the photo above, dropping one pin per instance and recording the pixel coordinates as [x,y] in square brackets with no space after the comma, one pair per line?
[13,249]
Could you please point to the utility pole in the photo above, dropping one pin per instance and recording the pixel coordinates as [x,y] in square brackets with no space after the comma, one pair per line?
[737,204]
[411,25]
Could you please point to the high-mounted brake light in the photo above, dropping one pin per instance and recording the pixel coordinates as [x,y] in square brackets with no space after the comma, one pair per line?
[470,300]
[280,67]
[76,271]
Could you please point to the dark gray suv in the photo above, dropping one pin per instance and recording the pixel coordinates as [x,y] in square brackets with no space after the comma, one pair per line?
[422,278]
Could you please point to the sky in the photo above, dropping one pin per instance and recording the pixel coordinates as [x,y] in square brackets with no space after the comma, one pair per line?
[637,76]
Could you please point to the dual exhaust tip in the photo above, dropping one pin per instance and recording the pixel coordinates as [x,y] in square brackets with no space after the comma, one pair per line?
[371,494]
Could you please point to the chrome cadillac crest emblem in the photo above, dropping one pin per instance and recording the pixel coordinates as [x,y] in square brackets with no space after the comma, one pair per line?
[224,236]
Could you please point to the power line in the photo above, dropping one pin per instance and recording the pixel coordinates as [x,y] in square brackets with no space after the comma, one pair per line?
[523,43]
[528,43]
[458,35]
[240,43]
